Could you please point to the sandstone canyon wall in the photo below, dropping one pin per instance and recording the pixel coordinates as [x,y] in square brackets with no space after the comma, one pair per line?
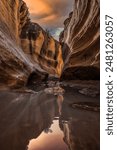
[40,45]
[25,48]
[81,41]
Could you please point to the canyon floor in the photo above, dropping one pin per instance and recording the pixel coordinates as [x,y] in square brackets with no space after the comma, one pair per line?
[54,115]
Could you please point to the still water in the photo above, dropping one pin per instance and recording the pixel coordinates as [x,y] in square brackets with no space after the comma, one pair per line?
[51,119]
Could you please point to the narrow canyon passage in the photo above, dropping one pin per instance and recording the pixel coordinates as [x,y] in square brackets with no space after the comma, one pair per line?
[26,48]
[49,75]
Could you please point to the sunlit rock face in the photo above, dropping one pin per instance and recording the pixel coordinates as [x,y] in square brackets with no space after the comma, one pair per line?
[39,44]
[43,48]
[81,40]
[33,53]
[14,65]
[27,50]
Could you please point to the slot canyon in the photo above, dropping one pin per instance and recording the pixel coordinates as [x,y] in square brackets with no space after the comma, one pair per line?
[26,49]
[49,87]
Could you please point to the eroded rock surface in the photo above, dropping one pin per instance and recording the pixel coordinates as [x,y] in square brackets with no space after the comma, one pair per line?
[25,48]
[80,40]
[42,48]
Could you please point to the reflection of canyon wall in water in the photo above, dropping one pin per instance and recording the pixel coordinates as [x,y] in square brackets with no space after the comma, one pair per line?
[80,40]
[25,47]
[81,129]
[23,117]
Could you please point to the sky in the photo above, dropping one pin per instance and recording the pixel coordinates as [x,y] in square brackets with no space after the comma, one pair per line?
[50,14]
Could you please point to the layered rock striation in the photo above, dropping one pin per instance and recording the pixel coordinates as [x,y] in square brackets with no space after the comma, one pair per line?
[15,66]
[25,48]
[27,51]
[81,41]
[39,44]
[42,48]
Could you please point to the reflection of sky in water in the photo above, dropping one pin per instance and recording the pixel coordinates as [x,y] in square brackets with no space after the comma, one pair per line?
[49,141]
[48,120]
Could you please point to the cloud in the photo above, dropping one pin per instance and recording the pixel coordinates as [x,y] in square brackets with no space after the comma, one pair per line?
[49,13]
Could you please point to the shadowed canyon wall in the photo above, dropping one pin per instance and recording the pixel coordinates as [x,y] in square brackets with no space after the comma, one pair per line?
[26,49]
[81,41]
[15,65]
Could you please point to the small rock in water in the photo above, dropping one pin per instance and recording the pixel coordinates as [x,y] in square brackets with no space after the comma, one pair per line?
[89,92]
[54,90]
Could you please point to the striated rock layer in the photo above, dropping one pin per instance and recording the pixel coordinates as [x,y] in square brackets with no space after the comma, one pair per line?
[40,45]
[25,49]
[81,41]
[42,48]
[27,52]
